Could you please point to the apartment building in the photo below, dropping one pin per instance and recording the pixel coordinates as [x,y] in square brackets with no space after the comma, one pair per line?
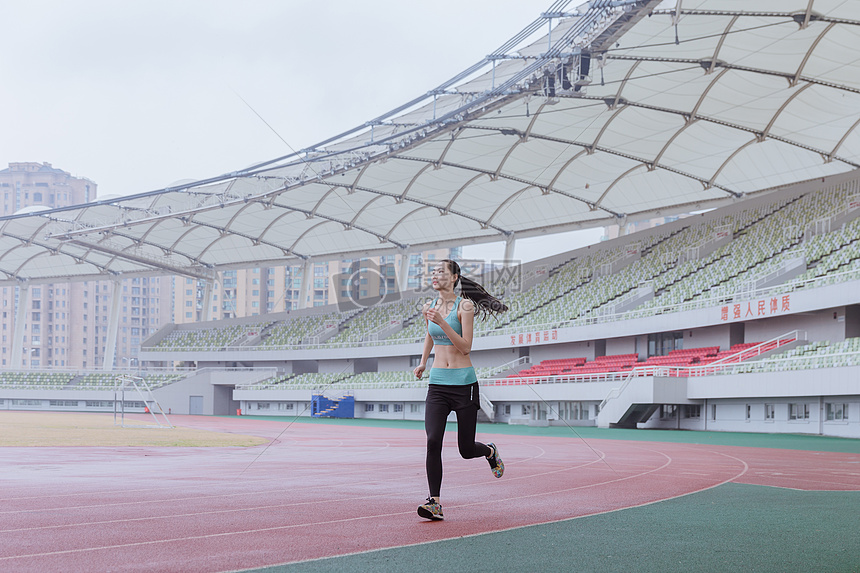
[66,324]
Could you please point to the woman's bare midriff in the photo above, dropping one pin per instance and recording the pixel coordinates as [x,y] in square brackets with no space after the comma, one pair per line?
[449,357]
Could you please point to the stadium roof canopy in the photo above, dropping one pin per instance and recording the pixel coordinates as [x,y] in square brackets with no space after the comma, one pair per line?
[608,112]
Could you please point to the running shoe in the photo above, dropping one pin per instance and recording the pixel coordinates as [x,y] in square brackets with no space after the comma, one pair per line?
[496,463]
[431,510]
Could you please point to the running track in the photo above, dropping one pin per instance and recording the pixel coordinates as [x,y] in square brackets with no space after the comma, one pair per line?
[326,490]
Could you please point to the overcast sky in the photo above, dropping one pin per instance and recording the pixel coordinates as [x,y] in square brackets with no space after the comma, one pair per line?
[137,95]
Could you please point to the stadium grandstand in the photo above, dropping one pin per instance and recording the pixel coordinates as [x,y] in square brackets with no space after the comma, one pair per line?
[735,123]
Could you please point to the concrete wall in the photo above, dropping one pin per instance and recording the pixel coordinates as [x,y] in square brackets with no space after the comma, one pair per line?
[808,382]
[852,321]
[708,336]
[175,397]
[626,345]
[517,404]
[305,366]
[223,403]
[494,357]
[336,366]
[736,403]
[737,415]
[394,364]
[567,350]
[819,325]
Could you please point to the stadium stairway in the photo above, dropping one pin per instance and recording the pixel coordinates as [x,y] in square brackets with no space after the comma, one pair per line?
[728,278]
[776,350]
[752,222]
[639,397]
[837,247]
[638,413]
[557,268]
[323,407]
[647,250]
[519,317]
[487,413]
[695,270]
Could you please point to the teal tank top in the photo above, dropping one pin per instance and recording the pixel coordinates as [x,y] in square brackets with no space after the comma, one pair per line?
[438,335]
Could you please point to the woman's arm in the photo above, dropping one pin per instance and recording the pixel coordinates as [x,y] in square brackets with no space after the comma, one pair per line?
[422,366]
[425,354]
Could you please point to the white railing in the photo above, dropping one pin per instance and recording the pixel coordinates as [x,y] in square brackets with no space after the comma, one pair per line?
[809,361]
[565,378]
[791,260]
[262,374]
[62,380]
[609,308]
[700,249]
[234,369]
[119,369]
[655,370]
[342,385]
[823,224]
[487,407]
[509,365]
[762,347]
[786,262]
[705,369]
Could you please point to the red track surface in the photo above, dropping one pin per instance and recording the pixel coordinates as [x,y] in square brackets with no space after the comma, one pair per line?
[324,490]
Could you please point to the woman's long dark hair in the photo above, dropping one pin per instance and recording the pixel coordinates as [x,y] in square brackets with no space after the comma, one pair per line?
[485,303]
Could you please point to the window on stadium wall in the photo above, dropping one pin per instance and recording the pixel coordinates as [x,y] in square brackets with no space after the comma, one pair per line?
[663,343]
[836,412]
[668,411]
[573,410]
[798,411]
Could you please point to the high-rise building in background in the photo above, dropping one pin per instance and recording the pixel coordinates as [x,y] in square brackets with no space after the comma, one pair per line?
[40,184]
[66,324]
[259,291]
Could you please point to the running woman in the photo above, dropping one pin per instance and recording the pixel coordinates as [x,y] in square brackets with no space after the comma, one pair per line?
[453,384]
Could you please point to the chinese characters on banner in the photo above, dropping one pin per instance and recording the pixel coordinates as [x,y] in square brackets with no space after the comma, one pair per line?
[768,306]
[535,337]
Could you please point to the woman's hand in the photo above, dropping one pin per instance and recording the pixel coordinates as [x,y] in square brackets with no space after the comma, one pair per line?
[419,370]
[434,315]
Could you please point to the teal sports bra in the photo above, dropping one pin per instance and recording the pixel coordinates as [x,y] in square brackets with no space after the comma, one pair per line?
[438,335]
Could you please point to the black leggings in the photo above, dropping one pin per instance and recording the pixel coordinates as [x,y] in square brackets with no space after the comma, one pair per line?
[441,401]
